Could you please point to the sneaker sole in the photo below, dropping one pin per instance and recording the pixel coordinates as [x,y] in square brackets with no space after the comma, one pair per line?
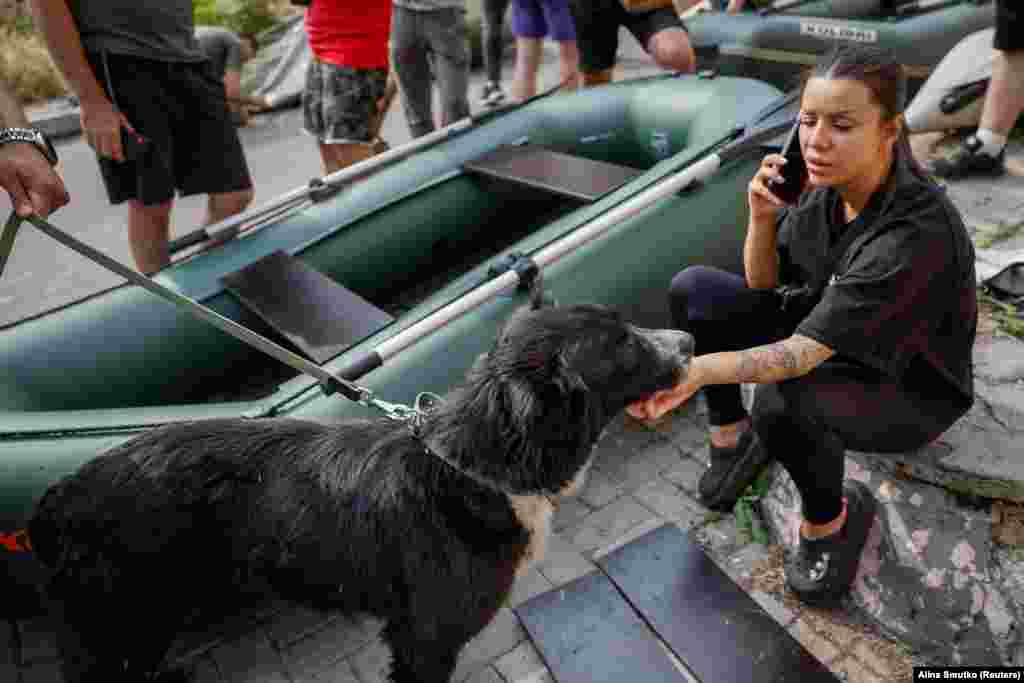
[737,480]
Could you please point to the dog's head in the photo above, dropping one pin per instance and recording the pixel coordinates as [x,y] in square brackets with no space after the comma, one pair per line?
[553,380]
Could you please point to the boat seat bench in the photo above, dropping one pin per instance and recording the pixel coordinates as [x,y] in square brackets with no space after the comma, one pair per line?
[319,316]
[555,172]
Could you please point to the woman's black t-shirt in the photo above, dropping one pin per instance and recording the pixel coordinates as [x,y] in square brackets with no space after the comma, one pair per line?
[901,297]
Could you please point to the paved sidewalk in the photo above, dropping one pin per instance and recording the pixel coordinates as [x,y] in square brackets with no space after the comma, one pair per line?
[643,477]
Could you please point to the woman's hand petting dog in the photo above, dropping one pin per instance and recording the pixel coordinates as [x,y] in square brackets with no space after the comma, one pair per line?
[661,402]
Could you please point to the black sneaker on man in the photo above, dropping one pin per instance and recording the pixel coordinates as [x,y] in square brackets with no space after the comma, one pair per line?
[730,472]
[970,160]
[822,570]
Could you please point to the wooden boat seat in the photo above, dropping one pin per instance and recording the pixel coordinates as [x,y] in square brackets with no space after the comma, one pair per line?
[555,172]
[321,317]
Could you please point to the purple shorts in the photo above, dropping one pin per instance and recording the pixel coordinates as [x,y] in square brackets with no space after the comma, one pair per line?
[540,18]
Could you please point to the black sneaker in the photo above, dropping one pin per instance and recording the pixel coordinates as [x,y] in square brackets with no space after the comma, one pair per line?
[731,471]
[821,571]
[970,160]
[491,95]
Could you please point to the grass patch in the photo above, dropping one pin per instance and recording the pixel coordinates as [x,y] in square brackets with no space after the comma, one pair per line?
[1006,316]
[1003,231]
[748,520]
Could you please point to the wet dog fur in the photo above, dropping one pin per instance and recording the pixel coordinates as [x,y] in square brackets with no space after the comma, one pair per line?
[357,515]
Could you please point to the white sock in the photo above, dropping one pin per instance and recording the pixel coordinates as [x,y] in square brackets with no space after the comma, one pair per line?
[992,143]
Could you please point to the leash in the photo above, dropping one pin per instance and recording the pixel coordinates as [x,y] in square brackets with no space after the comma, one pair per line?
[329,383]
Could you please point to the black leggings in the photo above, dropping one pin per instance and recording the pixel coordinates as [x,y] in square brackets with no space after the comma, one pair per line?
[805,423]
[493,22]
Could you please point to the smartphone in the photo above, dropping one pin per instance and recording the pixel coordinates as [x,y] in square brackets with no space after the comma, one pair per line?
[132,144]
[794,172]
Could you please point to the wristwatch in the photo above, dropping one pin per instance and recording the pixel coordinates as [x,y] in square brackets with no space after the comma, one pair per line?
[32,136]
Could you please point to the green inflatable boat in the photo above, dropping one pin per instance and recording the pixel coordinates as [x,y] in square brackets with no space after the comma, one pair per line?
[776,43]
[396,282]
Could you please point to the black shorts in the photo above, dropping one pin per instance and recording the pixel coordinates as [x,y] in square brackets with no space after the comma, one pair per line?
[597,29]
[1009,26]
[181,109]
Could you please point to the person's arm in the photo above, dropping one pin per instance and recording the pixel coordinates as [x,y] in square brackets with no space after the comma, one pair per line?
[101,122]
[25,173]
[233,91]
[760,254]
[735,6]
[787,359]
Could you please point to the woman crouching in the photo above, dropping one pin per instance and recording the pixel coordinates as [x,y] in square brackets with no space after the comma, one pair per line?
[856,318]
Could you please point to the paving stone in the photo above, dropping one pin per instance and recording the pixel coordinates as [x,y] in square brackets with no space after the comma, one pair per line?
[668,501]
[721,537]
[569,513]
[605,525]
[523,663]
[814,642]
[372,662]
[250,659]
[486,675]
[531,584]
[600,490]
[636,532]
[323,649]
[564,562]
[499,637]
[686,474]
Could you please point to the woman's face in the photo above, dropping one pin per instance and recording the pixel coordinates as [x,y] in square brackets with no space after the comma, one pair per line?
[843,137]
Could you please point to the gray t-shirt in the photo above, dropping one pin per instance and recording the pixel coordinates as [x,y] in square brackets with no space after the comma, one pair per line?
[222,47]
[155,29]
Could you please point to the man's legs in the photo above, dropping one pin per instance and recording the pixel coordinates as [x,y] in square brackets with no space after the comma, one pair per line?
[448,39]
[493,47]
[982,153]
[342,155]
[412,70]
[528,52]
[148,234]
[221,205]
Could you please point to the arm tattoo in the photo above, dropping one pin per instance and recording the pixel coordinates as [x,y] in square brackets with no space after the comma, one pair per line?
[782,360]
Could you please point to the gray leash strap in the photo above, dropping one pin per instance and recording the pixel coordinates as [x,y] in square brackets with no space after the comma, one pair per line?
[328,382]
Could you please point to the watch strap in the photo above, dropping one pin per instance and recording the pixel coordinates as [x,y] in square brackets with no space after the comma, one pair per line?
[31,136]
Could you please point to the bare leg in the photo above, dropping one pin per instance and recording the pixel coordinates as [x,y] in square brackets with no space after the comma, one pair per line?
[148,234]
[337,157]
[524,82]
[1005,98]
[224,204]
[569,57]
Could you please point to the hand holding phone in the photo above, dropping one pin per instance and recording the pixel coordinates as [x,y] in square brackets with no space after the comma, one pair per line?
[794,172]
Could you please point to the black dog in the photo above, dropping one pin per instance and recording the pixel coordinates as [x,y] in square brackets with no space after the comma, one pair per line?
[427,530]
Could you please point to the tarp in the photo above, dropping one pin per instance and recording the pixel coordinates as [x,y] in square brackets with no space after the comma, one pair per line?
[278,71]
[970,61]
